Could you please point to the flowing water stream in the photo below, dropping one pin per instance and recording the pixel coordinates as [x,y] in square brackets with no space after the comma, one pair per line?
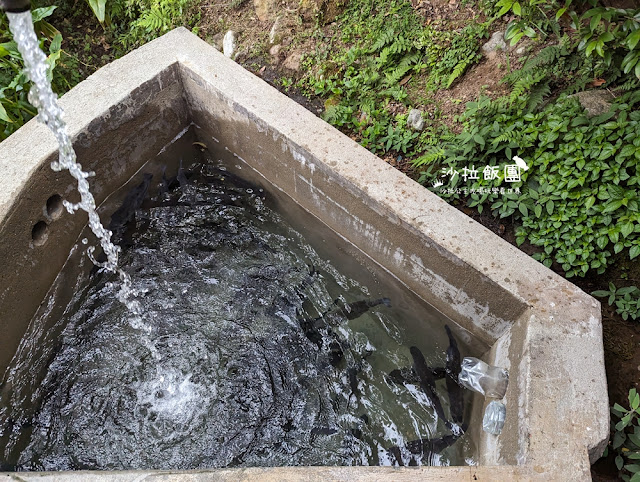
[49,113]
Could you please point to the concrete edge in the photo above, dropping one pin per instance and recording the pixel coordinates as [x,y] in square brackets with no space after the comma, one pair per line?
[557,308]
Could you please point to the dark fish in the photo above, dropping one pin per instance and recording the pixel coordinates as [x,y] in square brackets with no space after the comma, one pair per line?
[132,202]
[163,187]
[425,446]
[455,391]
[422,447]
[395,451]
[427,382]
[354,310]
[403,375]
[336,355]
[182,179]
[352,377]
[324,431]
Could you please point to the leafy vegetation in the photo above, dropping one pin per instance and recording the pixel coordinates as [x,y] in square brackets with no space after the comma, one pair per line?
[626,300]
[626,438]
[15,109]
[578,200]
[386,46]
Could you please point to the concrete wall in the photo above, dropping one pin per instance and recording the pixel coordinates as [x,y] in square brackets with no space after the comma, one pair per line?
[544,329]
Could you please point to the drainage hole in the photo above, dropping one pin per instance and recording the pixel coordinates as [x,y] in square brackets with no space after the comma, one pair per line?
[39,233]
[54,206]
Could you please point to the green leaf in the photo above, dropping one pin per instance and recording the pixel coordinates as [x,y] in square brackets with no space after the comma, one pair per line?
[560,13]
[56,43]
[628,150]
[633,39]
[634,251]
[619,462]
[618,439]
[517,9]
[523,209]
[595,20]
[537,209]
[612,205]
[615,192]
[626,229]
[600,293]
[38,14]
[633,468]
[98,7]
[549,207]
[589,202]
[3,114]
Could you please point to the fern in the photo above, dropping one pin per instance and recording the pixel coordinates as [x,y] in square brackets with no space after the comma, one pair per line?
[406,64]
[385,38]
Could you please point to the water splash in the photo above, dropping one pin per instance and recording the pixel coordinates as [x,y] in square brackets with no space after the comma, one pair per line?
[50,113]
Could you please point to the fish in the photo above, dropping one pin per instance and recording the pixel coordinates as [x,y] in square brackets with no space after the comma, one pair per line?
[428,383]
[352,377]
[422,447]
[354,310]
[404,375]
[431,446]
[324,431]
[336,355]
[454,390]
[127,210]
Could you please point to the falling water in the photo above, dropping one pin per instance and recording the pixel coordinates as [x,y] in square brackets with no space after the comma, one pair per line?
[44,99]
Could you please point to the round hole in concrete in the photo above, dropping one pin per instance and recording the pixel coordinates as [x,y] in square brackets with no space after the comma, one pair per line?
[54,206]
[39,233]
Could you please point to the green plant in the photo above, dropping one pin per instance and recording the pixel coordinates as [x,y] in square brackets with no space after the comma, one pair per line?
[15,109]
[626,300]
[579,199]
[386,46]
[626,438]
[534,18]
[613,34]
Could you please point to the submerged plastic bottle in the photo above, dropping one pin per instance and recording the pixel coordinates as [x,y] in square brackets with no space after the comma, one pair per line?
[493,419]
[488,380]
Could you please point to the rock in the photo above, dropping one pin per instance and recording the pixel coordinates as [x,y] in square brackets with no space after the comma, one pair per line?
[325,11]
[494,43]
[275,35]
[595,102]
[292,62]
[216,41]
[229,43]
[265,9]
[520,51]
[275,51]
[415,120]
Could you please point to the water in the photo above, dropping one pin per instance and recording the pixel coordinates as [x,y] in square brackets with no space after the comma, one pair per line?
[49,113]
[244,354]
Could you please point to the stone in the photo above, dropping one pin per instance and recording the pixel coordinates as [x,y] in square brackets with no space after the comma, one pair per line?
[325,11]
[415,120]
[275,51]
[216,41]
[292,62]
[494,43]
[595,102]
[275,34]
[229,43]
[265,9]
